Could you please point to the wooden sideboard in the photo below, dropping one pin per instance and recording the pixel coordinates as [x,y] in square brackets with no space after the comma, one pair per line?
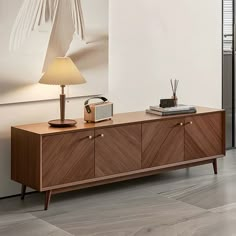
[131,145]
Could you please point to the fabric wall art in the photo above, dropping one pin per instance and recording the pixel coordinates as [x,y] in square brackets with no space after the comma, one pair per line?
[34,32]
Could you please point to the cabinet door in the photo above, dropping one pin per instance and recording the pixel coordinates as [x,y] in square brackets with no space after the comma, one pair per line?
[204,136]
[118,150]
[67,158]
[162,142]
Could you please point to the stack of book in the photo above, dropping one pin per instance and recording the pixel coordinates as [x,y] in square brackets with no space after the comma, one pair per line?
[180,109]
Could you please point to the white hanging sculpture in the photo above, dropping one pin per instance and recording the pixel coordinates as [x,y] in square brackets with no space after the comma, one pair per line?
[78,18]
[65,18]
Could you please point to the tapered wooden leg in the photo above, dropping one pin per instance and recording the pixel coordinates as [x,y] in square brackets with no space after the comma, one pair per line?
[48,195]
[23,189]
[215,166]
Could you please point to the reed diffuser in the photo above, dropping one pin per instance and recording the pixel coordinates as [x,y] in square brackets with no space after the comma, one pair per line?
[174,86]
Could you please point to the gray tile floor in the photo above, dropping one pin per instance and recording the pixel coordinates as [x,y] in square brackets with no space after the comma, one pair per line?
[184,202]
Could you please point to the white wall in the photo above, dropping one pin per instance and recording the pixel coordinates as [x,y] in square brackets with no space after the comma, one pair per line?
[151,41]
[155,40]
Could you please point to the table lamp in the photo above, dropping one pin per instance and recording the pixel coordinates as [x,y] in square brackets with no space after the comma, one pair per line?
[62,72]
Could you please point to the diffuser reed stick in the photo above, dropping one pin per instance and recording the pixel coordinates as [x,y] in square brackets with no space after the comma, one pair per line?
[174,86]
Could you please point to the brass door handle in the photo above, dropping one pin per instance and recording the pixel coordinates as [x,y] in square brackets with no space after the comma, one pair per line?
[189,123]
[180,124]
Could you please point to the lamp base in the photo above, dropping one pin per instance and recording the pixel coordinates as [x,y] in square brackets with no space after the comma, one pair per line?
[62,123]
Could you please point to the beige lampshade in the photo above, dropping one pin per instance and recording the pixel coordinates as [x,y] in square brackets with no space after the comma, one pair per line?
[62,71]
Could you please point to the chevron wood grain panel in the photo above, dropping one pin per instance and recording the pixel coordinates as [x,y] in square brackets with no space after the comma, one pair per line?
[118,150]
[67,158]
[162,142]
[204,136]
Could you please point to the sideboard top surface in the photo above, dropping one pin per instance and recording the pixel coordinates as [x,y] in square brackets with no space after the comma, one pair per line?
[118,119]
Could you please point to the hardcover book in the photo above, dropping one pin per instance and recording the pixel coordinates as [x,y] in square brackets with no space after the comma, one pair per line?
[168,113]
[180,107]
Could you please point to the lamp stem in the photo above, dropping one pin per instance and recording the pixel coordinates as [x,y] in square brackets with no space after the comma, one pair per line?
[62,102]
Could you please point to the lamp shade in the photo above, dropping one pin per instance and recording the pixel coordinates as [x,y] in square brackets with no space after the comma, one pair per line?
[62,71]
